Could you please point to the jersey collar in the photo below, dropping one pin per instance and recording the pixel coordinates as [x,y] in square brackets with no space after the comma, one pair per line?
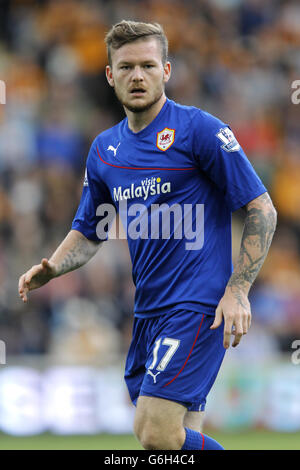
[147,130]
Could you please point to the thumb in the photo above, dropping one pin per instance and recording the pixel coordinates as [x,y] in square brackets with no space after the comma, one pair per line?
[218,318]
[45,263]
[49,266]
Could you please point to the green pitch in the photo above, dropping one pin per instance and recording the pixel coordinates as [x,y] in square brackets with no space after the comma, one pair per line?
[248,440]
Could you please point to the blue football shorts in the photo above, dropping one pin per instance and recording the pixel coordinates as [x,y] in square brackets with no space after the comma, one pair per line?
[174,356]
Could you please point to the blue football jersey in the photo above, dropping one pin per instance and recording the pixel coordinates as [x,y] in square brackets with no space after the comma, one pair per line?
[175,185]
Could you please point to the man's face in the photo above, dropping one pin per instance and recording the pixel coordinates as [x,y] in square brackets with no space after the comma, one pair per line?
[138,74]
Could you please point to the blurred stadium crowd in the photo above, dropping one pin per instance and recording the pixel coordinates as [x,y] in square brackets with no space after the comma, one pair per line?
[236,59]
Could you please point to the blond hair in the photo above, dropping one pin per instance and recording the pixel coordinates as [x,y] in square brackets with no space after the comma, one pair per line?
[129,31]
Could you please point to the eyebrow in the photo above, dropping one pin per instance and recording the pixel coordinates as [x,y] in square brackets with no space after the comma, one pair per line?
[125,62]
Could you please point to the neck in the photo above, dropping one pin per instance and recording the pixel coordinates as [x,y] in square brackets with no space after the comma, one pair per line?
[138,121]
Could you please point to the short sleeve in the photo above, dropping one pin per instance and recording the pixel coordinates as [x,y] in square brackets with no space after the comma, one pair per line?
[94,194]
[219,155]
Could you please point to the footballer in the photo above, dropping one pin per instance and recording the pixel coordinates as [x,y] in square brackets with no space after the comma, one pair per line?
[189,300]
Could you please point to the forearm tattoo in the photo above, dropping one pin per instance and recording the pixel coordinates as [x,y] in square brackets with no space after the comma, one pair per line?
[76,256]
[260,224]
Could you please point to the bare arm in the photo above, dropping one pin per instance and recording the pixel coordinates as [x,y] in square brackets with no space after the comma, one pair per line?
[260,224]
[74,251]
[259,228]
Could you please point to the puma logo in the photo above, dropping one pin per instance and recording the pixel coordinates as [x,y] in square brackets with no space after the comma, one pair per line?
[153,375]
[113,149]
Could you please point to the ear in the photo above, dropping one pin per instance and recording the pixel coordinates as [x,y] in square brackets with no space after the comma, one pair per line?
[167,72]
[109,75]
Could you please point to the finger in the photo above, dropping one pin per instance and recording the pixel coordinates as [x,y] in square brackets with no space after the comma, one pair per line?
[227,330]
[238,333]
[23,295]
[28,278]
[218,318]
[21,283]
[32,272]
[245,324]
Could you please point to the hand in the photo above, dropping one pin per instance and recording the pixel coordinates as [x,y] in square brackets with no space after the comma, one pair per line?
[36,277]
[235,308]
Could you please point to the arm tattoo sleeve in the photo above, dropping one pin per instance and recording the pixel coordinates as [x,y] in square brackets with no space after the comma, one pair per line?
[260,224]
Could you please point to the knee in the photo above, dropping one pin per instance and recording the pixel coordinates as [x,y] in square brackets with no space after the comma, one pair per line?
[158,424]
[149,438]
[157,437]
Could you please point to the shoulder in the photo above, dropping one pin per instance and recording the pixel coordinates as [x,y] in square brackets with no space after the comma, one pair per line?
[205,130]
[108,135]
[197,117]
[103,140]
[182,111]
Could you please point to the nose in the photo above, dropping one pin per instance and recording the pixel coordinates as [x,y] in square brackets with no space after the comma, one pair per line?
[137,73]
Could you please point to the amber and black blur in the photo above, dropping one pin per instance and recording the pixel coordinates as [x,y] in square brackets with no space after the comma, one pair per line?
[235,59]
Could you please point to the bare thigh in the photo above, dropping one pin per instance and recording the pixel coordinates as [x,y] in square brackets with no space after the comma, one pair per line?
[158,412]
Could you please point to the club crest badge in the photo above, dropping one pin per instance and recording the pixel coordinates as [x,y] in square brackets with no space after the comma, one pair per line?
[165,138]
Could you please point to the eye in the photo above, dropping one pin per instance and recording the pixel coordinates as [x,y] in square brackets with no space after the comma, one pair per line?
[148,66]
[125,67]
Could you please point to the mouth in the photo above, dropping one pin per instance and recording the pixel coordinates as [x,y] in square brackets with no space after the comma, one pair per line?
[137,91]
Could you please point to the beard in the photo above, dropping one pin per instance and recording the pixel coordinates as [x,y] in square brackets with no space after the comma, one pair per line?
[143,106]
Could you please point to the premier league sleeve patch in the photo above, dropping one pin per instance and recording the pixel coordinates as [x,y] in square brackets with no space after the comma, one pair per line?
[230,144]
[85,181]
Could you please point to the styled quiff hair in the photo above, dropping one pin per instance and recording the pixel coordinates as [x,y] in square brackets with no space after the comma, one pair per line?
[129,31]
